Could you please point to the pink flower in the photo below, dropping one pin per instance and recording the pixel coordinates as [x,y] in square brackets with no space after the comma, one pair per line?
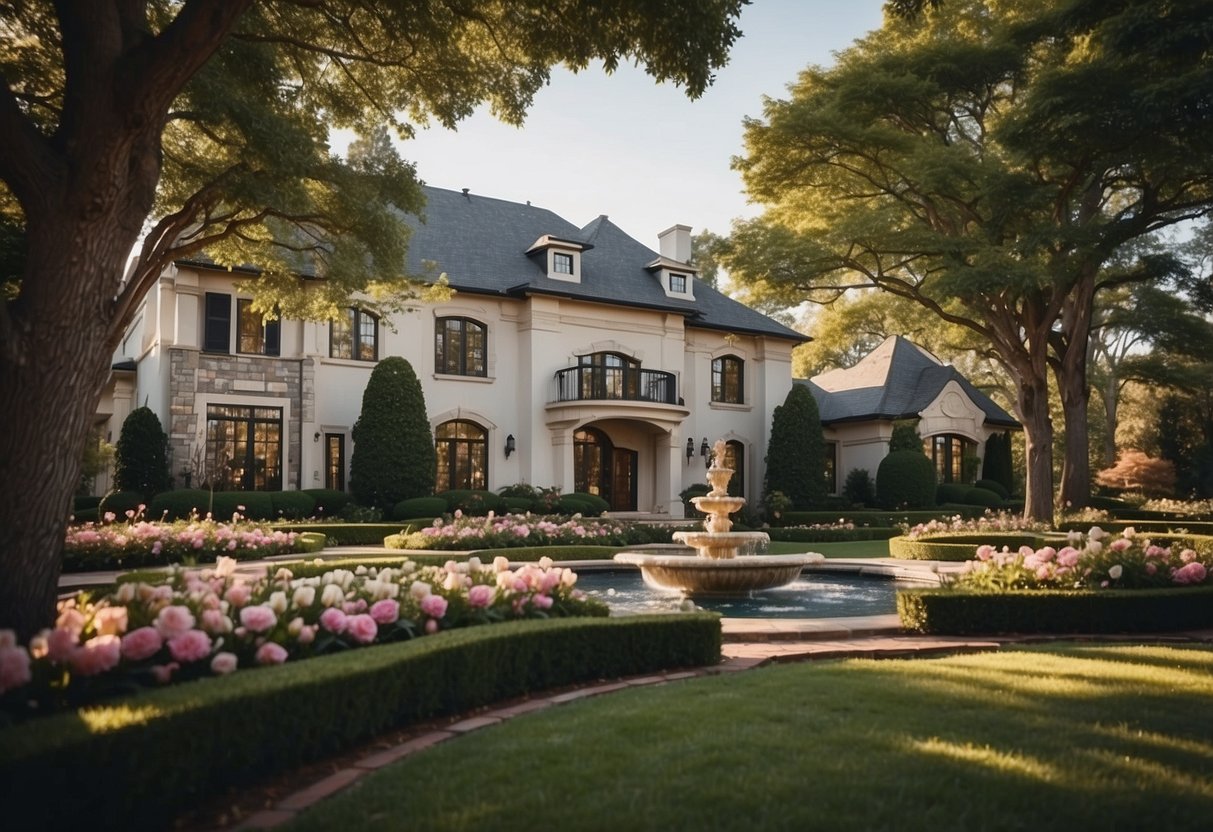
[190,646]
[333,620]
[110,621]
[141,644]
[271,653]
[258,619]
[72,620]
[163,673]
[238,594]
[1120,544]
[1191,573]
[434,606]
[431,626]
[14,668]
[480,595]
[224,663]
[307,634]
[174,620]
[96,655]
[215,622]
[543,602]
[386,611]
[60,644]
[362,628]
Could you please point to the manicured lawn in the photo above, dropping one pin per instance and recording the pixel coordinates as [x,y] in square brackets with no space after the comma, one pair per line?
[1060,737]
[849,549]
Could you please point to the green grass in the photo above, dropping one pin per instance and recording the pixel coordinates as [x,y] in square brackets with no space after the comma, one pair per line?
[845,549]
[1059,737]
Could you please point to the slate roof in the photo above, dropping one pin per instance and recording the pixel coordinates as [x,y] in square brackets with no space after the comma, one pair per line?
[480,243]
[897,380]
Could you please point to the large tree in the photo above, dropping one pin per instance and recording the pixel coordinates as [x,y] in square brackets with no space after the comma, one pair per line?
[986,161]
[203,125]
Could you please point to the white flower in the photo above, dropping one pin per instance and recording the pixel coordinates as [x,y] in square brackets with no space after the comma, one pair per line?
[304,596]
[224,566]
[332,595]
[278,602]
[419,589]
[1115,572]
[501,563]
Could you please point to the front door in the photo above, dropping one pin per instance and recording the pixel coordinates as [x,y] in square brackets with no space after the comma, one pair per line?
[623,480]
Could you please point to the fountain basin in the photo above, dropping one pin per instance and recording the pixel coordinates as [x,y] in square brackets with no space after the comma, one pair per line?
[720,545]
[694,575]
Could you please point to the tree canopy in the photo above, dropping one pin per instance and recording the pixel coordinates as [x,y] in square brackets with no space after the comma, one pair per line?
[987,162]
[202,126]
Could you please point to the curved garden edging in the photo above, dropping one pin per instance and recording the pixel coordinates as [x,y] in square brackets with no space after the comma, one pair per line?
[959,547]
[134,762]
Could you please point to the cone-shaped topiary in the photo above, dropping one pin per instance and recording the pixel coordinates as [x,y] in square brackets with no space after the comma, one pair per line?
[905,436]
[141,457]
[998,466]
[393,456]
[796,453]
[905,479]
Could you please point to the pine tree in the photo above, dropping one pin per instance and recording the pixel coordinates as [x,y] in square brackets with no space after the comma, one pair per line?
[393,457]
[796,454]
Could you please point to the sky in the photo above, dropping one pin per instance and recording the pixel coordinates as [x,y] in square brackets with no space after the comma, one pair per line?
[642,153]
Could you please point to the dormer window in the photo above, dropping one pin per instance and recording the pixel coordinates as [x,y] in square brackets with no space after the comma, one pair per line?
[560,258]
[562,262]
[678,283]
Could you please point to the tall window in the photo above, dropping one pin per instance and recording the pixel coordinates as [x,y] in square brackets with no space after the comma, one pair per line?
[947,451]
[562,263]
[244,447]
[591,456]
[334,461]
[255,335]
[609,375]
[217,323]
[728,377]
[354,334]
[459,347]
[463,456]
[831,467]
[734,457]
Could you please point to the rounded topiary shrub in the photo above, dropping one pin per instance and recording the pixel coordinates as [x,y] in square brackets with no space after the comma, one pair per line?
[518,505]
[473,503]
[596,505]
[394,455]
[141,456]
[951,492]
[419,508]
[252,505]
[292,505]
[569,504]
[119,503]
[982,497]
[995,486]
[905,479]
[859,488]
[179,504]
[329,501]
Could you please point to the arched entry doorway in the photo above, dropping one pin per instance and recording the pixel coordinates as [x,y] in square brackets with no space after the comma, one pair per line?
[601,468]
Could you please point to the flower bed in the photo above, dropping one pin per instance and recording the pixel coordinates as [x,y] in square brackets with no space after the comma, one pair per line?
[1097,582]
[200,622]
[957,547]
[498,531]
[1001,522]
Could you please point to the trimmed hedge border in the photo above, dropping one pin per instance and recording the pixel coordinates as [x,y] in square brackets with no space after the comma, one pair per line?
[952,612]
[135,763]
[349,534]
[794,535]
[1161,527]
[863,517]
[959,547]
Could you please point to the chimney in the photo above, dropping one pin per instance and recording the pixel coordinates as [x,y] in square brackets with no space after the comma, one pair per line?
[675,243]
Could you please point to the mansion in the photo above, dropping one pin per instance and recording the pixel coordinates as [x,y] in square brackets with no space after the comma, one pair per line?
[567,356]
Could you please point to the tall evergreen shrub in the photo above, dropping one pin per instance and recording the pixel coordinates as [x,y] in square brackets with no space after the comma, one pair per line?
[905,436]
[997,465]
[796,454]
[393,456]
[906,479]
[141,457]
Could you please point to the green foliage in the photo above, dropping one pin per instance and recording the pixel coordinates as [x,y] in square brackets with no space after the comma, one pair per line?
[180,504]
[796,535]
[958,547]
[347,534]
[951,612]
[473,503]
[255,505]
[994,485]
[976,496]
[127,770]
[98,454]
[859,488]
[141,456]
[420,508]
[393,456]
[905,437]
[292,505]
[596,506]
[998,465]
[310,542]
[950,492]
[120,502]
[877,518]
[796,453]
[689,493]
[905,479]
[519,505]
[329,501]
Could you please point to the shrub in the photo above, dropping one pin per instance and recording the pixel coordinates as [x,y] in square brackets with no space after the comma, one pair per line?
[394,455]
[995,486]
[699,489]
[796,452]
[255,505]
[310,542]
[859,488]
[981,497]
[958,547]
[348,534]
[474,503]
[180,504]
[292,505]
[329,501]
[1136,471]
[570,504]
[81,503]
[519,505]
[997,464]
[86,515]
[141,457]
[142,543]
[951,492]
[418,508]
[597,505]
[119,503]
[519,490]
[905,479]
[905,436]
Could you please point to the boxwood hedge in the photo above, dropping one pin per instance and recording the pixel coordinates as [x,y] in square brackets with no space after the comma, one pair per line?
[958,547]
[135,763]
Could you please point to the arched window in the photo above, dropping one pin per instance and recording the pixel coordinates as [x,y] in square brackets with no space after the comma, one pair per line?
[463,456]
[734,457]
[728,380]
[609,375]
[948,451]
[354,333]
[460,347]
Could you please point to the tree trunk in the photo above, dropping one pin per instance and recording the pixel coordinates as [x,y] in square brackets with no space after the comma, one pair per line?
[1038,439]
[1111,409]
[1076,464]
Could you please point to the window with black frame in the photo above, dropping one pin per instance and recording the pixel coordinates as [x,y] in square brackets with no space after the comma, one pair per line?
[462,456]
[354,334]
[728,380]
[254,334]
[244,447]
[609,375]
[460,347]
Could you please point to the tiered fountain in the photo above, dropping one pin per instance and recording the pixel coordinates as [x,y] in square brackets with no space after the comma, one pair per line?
[717,569]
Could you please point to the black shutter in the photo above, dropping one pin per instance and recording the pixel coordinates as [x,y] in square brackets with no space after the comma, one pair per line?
[217,334]
[272,338]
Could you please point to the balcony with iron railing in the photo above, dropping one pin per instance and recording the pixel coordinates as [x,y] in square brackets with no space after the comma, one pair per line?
[627,384]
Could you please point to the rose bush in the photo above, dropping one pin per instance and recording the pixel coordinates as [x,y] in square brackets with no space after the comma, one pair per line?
[498,531]
[990,522]
[1097,559]
[213,621]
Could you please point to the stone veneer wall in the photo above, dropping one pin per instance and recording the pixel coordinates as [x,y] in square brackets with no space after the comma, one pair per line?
[193,373]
